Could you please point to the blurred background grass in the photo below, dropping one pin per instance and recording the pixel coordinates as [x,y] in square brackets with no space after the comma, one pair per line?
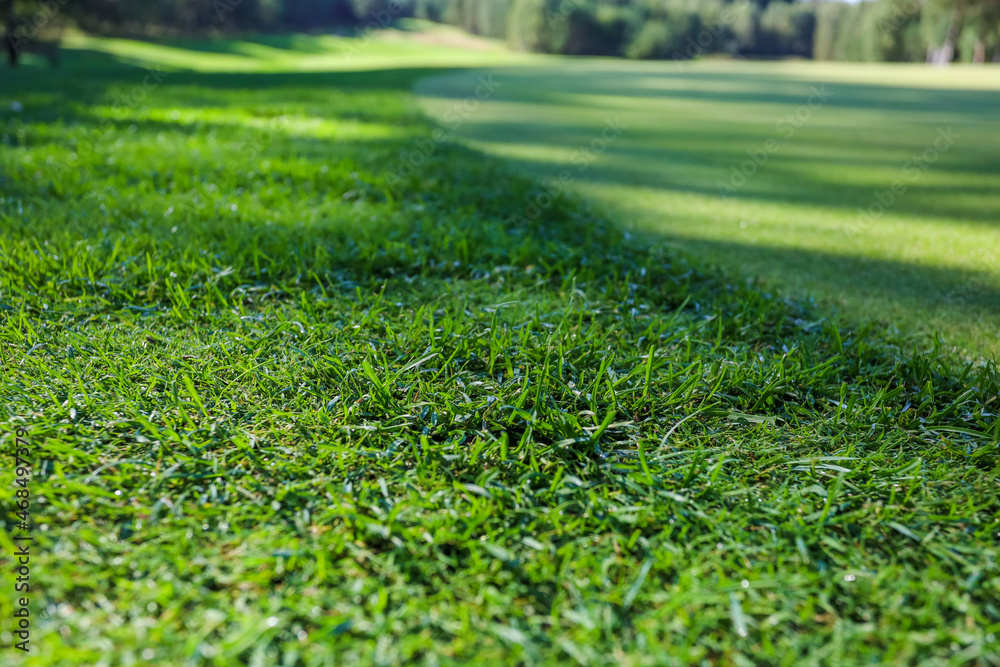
[729,160]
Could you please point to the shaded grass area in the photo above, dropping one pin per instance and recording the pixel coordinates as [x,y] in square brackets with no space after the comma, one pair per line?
[763,168]
[285,412]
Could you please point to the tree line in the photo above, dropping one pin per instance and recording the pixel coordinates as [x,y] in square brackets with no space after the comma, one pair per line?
[938,31]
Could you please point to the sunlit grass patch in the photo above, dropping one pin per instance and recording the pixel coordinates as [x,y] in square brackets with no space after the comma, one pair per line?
[422,45]
[773,170]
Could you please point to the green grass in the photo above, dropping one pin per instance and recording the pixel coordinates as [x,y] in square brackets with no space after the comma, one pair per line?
[288,409]
[930,263]
[409,43]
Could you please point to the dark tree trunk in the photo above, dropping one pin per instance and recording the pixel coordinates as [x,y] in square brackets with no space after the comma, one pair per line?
[13,48]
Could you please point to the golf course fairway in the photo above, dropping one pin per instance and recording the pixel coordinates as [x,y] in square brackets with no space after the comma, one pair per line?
[871,187]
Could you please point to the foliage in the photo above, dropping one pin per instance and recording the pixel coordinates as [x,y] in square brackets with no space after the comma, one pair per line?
[875,30]
[535,25]
[786,29]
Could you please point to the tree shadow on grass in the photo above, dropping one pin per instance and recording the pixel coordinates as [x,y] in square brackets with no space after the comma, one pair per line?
[610,79]
[221,190]
[338,199]
[692,133]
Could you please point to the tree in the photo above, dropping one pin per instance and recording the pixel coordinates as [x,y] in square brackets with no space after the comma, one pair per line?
[946,53]
[31,25]
[983,14]
[984,20]
[11,39]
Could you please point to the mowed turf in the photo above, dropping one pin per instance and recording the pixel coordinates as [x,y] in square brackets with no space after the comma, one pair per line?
[875,188]
[409,43]
[303,387]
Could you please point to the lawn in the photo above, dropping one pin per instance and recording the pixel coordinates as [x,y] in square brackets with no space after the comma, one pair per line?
[762,168]
[409,43]
[301,384]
